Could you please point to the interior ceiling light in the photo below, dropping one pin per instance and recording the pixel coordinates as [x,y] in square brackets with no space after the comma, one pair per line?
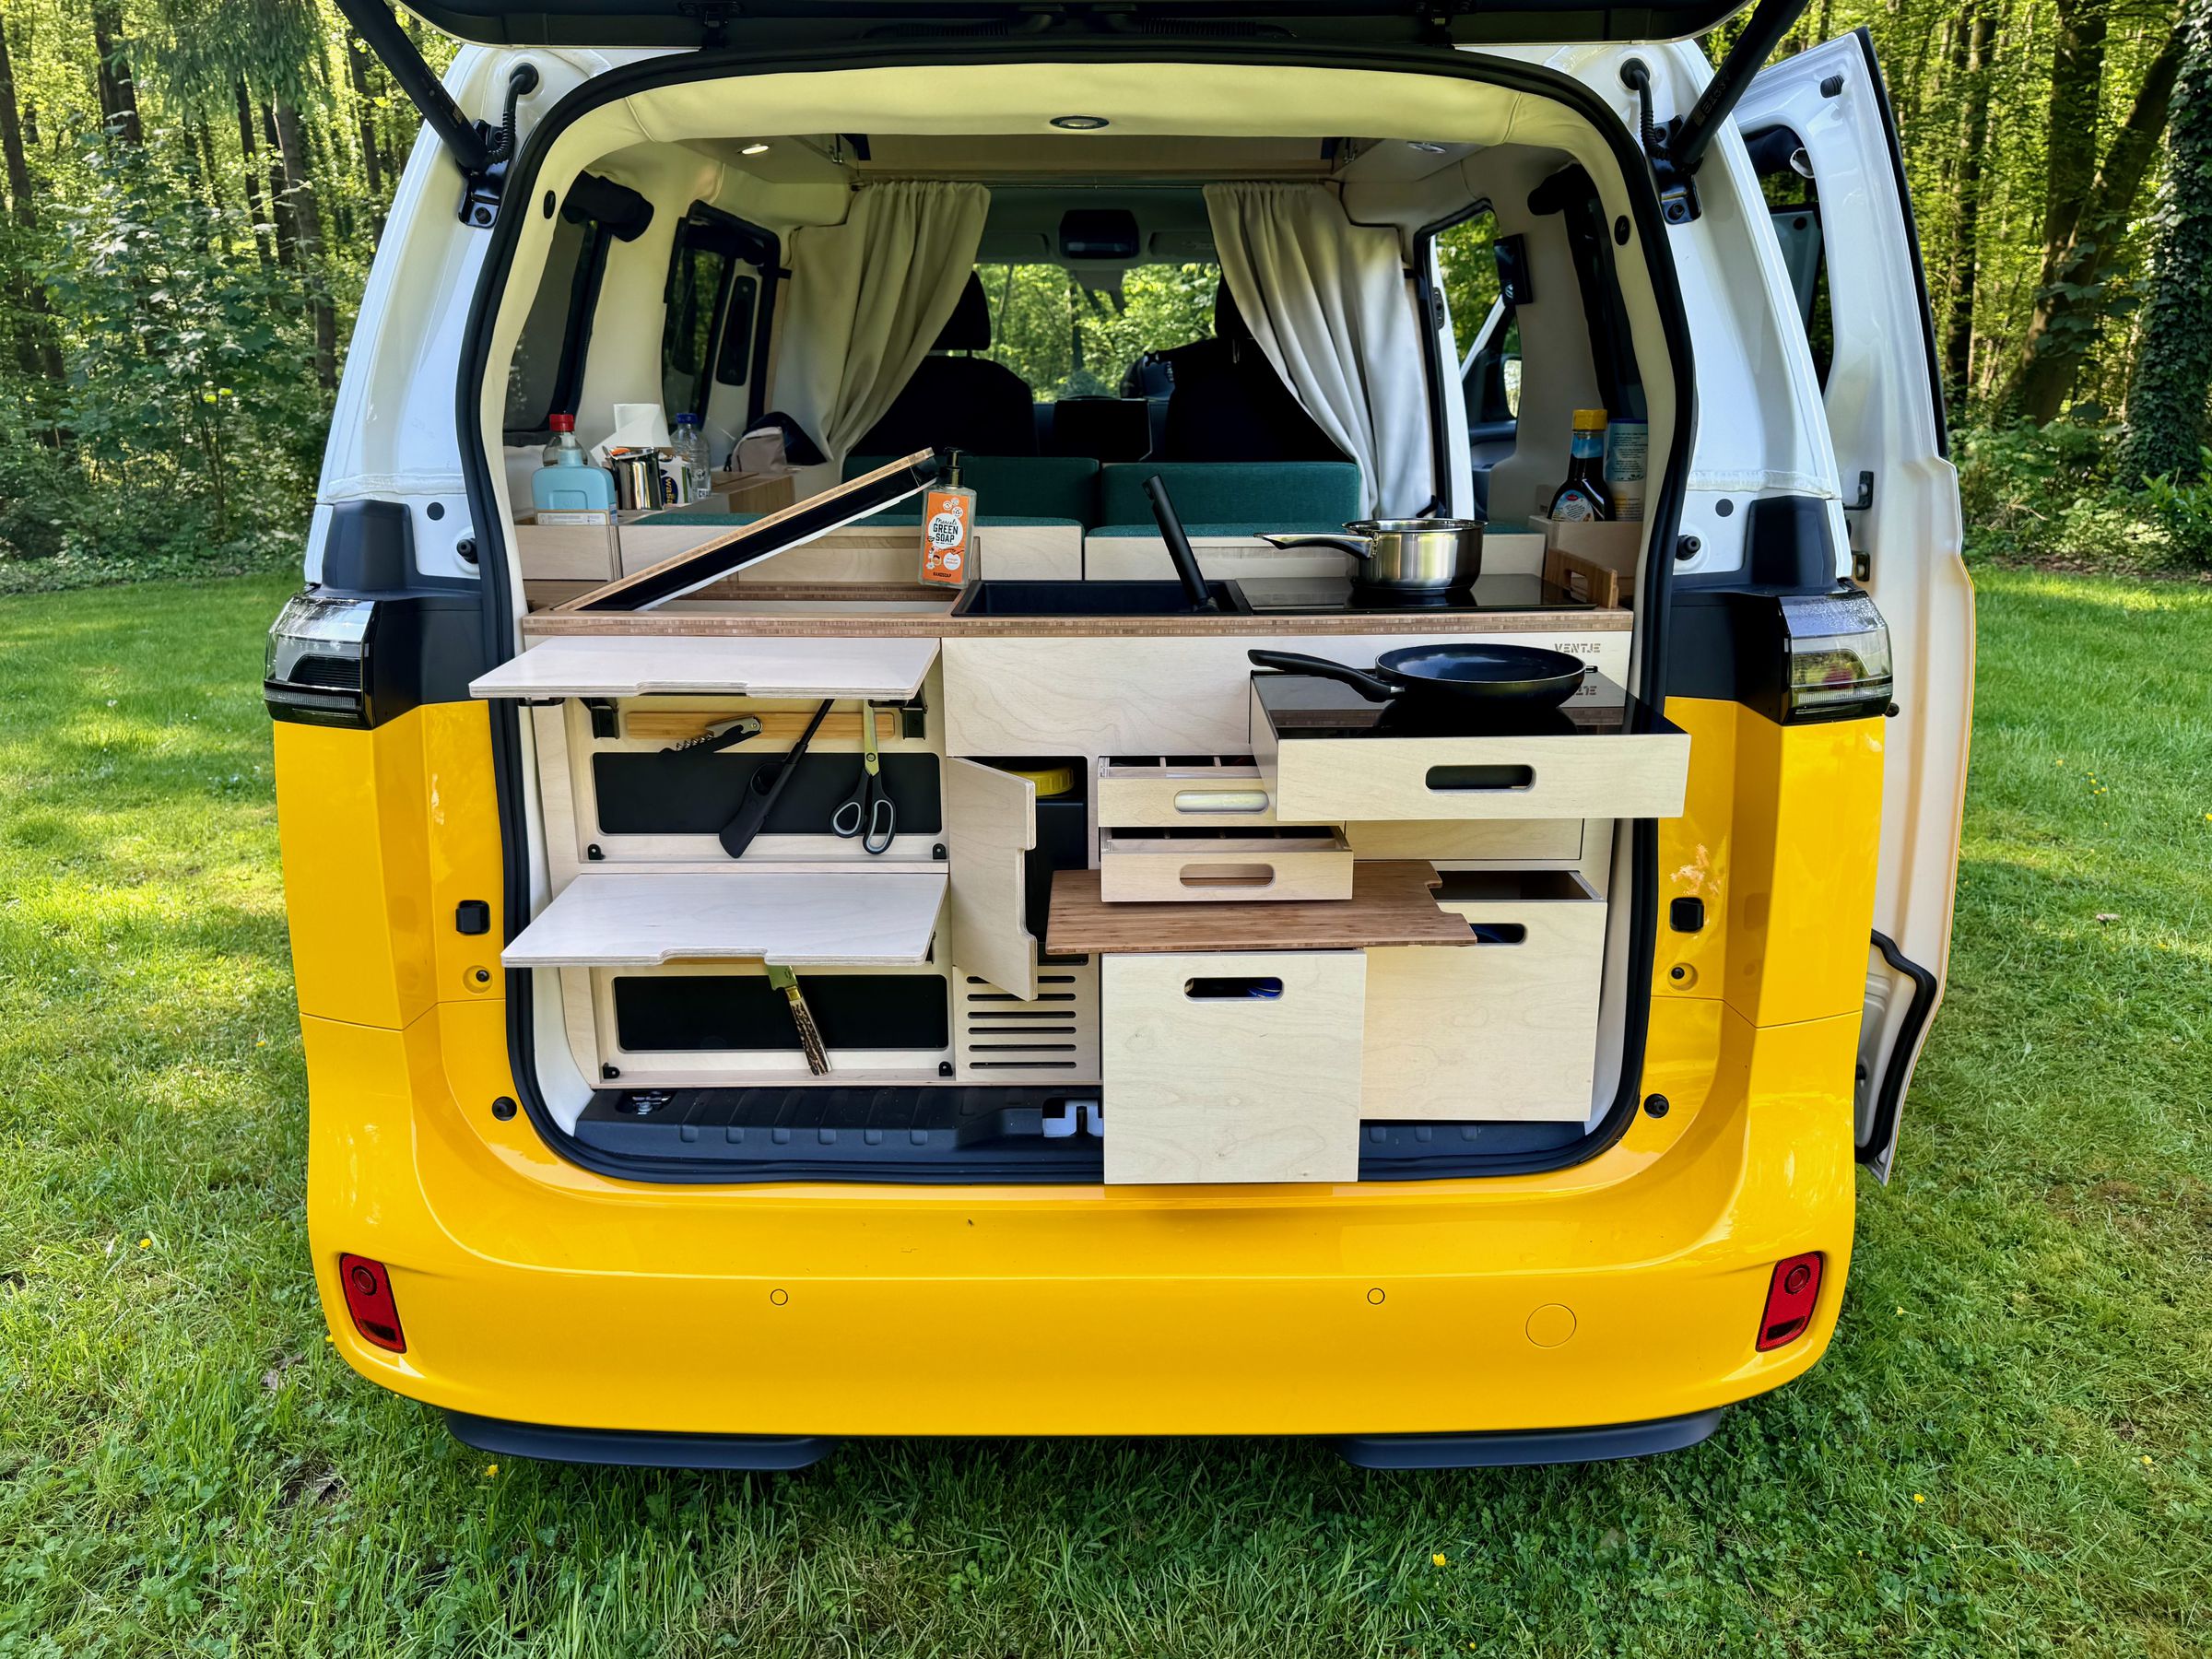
[1080,124]
[754,149]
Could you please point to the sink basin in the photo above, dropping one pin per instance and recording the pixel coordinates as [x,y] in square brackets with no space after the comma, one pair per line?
[988,598]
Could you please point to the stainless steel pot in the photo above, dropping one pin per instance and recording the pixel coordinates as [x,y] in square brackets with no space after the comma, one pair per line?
[1428,554]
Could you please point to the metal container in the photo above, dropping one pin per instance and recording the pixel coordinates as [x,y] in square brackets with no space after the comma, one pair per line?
[1415,555]
[637,478]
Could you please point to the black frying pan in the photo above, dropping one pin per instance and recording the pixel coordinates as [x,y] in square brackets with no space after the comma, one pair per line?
[1490,675]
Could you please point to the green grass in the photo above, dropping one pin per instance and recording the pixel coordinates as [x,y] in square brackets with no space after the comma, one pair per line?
[2009,1449]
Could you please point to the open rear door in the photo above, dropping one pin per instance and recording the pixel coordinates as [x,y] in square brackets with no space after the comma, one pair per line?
[1885,413]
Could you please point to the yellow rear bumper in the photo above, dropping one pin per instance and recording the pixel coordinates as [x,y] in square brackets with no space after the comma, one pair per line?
[1624,1290]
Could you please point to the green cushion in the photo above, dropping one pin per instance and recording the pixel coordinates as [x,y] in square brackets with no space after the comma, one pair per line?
[1024,486]
[1233,492]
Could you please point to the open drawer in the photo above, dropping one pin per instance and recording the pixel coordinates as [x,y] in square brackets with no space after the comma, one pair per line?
[1159,792]
[1331,757]
[1259,861]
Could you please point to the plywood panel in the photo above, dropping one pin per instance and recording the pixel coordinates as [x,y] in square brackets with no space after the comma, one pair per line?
[1183,869]
[1239,1089]
[625,919]
[1501,1031]
[1052,1037]
[889,670]
[990,824]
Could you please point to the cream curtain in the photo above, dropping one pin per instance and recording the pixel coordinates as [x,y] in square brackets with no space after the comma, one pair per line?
[867,298]
[1329,304]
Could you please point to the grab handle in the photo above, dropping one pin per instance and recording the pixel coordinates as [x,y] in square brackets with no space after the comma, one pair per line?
[1227,876]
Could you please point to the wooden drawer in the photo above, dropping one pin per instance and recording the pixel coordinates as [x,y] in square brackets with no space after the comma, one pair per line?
[1207,1081]
[1162,866]
[1166,791]
[1505,1028]
[1565,774]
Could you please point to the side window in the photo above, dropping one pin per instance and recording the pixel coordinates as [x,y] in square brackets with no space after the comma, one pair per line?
[717,315]
[1486,335]
[1785,179]
[543,380]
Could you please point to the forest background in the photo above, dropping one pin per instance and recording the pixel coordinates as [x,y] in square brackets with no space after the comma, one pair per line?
[195,191]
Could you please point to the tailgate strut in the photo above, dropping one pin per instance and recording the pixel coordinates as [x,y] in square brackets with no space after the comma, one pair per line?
[1677,146]
[482,149]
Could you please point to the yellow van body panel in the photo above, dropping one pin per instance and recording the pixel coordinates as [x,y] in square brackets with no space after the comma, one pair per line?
[1626,1287]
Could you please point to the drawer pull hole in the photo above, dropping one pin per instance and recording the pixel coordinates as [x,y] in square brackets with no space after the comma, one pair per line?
[1239,989]
[1227,875]
[1478,778]
[1498,933]
[1220,800]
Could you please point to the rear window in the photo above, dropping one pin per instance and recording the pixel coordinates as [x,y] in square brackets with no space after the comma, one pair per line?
[548,359]
[1069,341]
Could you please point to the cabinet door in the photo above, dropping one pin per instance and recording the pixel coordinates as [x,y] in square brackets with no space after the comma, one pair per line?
[990,826]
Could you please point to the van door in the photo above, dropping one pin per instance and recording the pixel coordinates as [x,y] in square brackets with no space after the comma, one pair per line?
[1883,398]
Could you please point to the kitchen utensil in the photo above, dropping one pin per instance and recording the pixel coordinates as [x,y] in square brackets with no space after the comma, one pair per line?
[810,1034]
[722,735]
[1432,674]
[1179,545]
[767,784]
[1423,555]
[867,812]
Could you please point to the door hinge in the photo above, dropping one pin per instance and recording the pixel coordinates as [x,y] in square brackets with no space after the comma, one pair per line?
[713,17]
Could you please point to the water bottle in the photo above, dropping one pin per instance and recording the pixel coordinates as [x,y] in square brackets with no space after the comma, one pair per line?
[689,446]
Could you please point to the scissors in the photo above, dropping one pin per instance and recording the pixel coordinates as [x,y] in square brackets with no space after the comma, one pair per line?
[868,812]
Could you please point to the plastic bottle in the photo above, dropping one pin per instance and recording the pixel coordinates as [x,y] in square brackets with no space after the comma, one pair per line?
[568,482]
[695,475]
[1584,495]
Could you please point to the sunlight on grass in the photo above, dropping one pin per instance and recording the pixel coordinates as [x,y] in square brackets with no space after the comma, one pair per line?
[2008,1450]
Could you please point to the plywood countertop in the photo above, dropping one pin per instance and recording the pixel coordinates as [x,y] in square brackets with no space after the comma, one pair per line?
[1392,902]
[855,609]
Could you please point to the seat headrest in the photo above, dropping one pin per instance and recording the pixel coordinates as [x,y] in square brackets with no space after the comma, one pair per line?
[968,327]
[1228,321]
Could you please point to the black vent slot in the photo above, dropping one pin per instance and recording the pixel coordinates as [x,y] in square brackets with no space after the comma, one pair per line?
[332,674]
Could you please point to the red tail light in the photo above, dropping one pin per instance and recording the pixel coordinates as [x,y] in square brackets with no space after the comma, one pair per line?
[369,1299]
[1791,1294]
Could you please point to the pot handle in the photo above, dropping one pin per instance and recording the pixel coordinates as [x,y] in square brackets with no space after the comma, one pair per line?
[1372,687]
[1357,547]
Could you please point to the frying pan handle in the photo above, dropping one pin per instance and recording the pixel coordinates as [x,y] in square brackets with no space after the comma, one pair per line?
[1372,687]
[1356,546]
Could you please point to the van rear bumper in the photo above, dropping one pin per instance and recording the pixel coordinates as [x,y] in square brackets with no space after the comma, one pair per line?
[1624,1290]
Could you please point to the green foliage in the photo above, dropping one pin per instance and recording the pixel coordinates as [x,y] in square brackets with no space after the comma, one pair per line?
[1069,341]
[2052,494]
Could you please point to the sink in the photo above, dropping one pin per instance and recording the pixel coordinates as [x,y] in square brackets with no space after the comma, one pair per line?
[988,598]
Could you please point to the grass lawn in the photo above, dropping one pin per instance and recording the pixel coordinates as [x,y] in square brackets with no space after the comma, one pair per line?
[2009,1450]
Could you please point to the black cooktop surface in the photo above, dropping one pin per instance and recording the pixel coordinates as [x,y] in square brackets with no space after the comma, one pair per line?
[1307,705]
[1321,595]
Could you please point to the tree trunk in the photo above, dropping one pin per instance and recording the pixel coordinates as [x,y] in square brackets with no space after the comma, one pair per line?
[2173,355]
[2070,304]
[372,164]
[117,92]
[2070,142]
[307,219]
[1977,37]
[255,204]
[283,208]
[38,346]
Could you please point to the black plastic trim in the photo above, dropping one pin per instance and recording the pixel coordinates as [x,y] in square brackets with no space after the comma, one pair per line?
[1889,1096]
[1526,1448]
[1665,515]
[638,1448]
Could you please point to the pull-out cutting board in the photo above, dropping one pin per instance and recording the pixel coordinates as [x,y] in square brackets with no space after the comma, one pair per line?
[866,917]
[636,665]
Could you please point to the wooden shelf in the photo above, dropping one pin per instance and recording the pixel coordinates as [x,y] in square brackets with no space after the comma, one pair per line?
[1392,902]
[889,670]
[868,918]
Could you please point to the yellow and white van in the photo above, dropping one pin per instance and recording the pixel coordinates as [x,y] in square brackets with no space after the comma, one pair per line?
[1183,1045]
